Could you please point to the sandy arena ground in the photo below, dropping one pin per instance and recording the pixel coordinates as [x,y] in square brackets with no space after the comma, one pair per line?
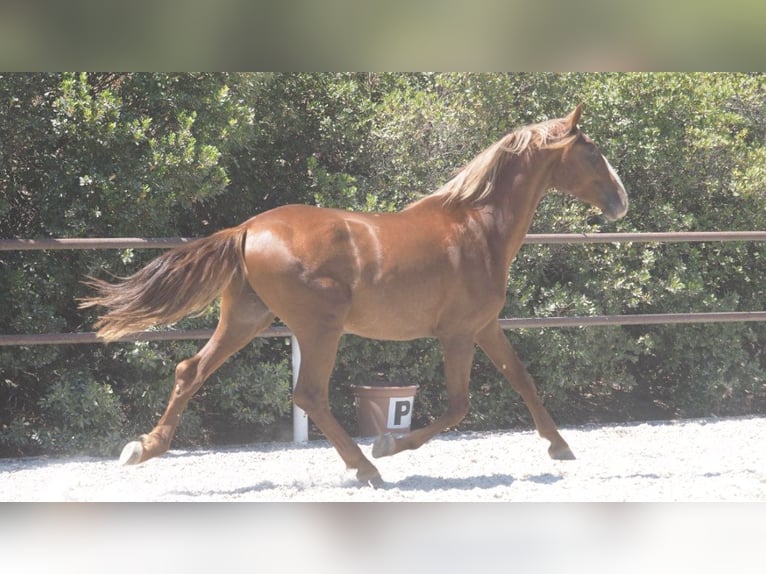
[691,460]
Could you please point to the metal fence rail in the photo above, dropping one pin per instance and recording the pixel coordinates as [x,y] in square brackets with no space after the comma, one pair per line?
[539,238]
[511,323]
[514,323]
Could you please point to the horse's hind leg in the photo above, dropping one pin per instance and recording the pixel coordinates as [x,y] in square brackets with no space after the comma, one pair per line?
[243,316]
[318,350]
[497,347]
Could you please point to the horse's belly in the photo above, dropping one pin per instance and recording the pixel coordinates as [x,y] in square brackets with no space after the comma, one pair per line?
[385,330]
[398,317]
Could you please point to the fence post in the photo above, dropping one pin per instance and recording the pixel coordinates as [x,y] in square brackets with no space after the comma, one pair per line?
[300,418]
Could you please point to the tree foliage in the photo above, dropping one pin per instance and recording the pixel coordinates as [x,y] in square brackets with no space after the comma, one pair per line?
[101,155]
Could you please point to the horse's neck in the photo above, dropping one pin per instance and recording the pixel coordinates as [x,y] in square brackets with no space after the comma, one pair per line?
[520,186]
[506,215]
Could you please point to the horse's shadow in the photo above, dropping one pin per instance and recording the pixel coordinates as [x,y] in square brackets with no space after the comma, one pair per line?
[484,482]
[259,487]
[412,483]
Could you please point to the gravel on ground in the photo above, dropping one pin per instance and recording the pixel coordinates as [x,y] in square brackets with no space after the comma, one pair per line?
[687,460]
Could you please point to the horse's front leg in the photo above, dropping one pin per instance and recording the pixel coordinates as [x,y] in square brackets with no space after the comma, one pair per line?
[458,356]
[497,347]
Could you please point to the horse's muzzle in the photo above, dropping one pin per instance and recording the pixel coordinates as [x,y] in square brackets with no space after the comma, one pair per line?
[617,206]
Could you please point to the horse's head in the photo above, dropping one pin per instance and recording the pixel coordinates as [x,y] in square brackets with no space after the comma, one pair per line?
[585,173]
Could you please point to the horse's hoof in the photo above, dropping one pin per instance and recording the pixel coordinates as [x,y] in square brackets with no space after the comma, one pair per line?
[132,453]
[370,479]
[384,445]
[376,482]
[561,453]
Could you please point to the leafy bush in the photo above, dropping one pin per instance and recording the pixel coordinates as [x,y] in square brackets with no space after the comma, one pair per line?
[80,415]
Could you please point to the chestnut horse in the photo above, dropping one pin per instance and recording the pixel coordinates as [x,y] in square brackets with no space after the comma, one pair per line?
[438,268]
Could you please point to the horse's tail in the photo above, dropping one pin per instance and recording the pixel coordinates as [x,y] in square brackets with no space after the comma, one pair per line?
[179,282]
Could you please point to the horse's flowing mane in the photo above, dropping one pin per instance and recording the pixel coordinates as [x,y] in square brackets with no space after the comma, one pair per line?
[476,180]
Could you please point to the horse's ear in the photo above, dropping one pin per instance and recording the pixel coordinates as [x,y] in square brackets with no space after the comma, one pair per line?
[574,116]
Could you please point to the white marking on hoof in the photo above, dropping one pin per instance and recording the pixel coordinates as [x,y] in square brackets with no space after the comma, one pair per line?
[375,482]
[131,454]
[384,445]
